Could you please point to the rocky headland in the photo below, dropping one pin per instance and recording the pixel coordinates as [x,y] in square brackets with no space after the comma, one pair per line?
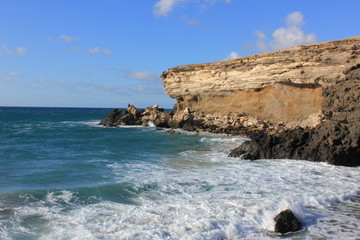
[298,103]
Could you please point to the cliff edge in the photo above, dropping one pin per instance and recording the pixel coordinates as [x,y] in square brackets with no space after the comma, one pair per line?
[282,86]
[298,103]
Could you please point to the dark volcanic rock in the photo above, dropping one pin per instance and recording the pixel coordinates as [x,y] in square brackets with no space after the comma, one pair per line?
[332,142]
[342,101]
[112,118]
[287,222]
[336,140]
[134,116]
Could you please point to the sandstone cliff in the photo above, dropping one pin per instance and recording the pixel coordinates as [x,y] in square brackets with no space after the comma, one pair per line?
[281,86]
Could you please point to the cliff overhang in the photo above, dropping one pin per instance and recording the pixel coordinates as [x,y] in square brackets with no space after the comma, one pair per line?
[281,86]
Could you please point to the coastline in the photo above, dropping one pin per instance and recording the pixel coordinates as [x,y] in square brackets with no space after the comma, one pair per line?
[301,103]
[141,183]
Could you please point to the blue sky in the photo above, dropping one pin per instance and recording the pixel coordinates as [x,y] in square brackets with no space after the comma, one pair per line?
[108,53]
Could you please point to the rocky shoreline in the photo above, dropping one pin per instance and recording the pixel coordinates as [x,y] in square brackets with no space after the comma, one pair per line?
[298,103]
[335,139]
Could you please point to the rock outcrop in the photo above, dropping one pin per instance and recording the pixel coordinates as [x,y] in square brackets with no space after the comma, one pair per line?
[134,116]
[287,222]
[261,85]
[298,103]
[336,140]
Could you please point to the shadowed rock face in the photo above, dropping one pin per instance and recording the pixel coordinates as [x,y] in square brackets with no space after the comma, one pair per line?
[281,86]
[287,222]
[336,140]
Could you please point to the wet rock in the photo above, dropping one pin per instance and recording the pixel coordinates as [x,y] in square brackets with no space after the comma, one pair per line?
[112,118]
[332,142]
[287,222]
[172,131]
[157,116]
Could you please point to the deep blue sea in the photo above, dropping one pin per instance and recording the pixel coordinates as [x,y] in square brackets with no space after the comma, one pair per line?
[62,176]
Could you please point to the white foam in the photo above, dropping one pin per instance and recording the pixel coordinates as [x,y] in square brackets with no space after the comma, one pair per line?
[151,124]
[91,123]
[224,198]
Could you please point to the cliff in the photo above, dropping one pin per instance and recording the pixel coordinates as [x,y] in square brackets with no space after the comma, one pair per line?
[281,86]
[298,103]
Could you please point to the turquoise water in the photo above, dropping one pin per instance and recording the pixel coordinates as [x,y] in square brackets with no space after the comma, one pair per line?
[64,177]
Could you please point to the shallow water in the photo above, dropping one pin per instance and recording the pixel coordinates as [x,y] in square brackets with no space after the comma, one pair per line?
[64,177]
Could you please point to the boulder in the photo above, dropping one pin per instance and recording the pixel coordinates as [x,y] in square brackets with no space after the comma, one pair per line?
[286,222]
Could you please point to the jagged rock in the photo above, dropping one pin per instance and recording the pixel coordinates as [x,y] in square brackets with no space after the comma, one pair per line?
[287,222]
[131,109]
[157,116]
[342,101]
[332,142]
[112,118]
[182,116]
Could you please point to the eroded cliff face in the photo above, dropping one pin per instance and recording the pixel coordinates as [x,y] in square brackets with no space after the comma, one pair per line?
[281,86]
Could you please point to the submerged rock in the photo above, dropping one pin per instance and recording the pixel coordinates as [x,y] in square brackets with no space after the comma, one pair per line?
[173,132]
[287,222]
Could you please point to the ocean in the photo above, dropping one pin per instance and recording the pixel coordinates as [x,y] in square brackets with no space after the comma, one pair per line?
[62,176]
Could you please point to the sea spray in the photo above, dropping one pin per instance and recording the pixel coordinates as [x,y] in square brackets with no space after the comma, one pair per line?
[68,179]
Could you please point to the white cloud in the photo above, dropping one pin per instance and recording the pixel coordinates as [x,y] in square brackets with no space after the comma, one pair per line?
[5,50]
[9,77]
[285,37]
[294,19]
[194,23]
[96,50]
[68,38]
[147,90]
[12,73]
[259,34]
[5,80]
[36,86]
[20,51]
[86,88]
[232,55]
[164,7]
[260,43]
[290,37]
[141,75]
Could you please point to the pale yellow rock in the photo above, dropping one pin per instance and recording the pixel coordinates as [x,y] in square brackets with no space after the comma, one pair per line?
[280,86]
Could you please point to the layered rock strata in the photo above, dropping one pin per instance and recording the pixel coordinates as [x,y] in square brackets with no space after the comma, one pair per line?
[298,103]
[336,140]
[281,86]
[312,90]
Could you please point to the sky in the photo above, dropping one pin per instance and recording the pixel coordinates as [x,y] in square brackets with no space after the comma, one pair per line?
[108,53]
